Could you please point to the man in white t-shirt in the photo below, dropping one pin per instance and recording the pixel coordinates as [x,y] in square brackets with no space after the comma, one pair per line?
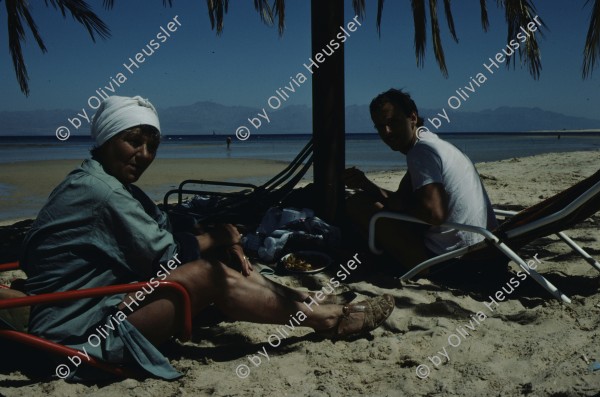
[441,185]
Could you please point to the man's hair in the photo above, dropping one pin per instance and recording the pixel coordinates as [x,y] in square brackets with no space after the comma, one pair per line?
[397,98]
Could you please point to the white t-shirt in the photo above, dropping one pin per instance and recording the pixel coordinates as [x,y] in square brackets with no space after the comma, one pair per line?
[432,160]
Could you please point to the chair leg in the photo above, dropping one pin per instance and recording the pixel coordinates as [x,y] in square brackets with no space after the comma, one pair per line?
[595,264]
[541,280]
[65,351]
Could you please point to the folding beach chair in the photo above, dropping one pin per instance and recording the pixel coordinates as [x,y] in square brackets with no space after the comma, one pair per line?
[247,204]
[11,299]
[550,216]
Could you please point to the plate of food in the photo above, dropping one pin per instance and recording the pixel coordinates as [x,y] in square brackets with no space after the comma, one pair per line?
[305,262]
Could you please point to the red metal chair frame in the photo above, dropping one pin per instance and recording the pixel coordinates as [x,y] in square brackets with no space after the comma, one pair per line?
[58,349]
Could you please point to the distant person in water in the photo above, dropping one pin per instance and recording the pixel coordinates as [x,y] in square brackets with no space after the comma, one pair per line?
[441,185]
[228,142]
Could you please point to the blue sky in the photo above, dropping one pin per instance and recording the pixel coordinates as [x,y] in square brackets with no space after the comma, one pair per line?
[249,61]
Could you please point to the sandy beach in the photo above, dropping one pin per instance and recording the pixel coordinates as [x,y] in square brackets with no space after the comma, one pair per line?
[527,345]
[28,190]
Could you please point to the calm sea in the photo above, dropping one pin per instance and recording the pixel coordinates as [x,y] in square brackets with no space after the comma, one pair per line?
[365,151]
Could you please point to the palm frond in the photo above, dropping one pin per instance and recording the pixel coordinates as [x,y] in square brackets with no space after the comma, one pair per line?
[359,7]
[32,27]
[218,8]
[216,11]
[519,13]
[450,19]
[83,14]
[485,23]
[16,34]
[379,13]
[264,10]
[279,7]
[591,50]
[420,22]
[109,4]
[437,41]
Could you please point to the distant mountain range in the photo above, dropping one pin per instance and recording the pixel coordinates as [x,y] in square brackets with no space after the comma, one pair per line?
[206,117]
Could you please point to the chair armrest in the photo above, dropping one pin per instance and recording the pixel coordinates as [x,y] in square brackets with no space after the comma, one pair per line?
[408,218]
[505,212]
[104,291]
[9,266]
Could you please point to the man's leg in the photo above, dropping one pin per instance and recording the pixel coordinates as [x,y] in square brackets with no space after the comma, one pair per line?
[404,241]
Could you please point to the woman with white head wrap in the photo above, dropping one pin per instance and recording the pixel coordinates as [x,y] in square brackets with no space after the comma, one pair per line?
[118,113]
[98,229]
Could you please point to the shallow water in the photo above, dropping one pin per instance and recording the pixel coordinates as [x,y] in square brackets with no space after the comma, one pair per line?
[365,151]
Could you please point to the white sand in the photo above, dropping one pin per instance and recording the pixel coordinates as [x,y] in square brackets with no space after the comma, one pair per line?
[527,346]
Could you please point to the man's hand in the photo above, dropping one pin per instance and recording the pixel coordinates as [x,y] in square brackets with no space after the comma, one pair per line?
[356,179]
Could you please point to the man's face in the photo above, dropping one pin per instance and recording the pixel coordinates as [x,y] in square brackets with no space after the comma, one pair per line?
[397,130]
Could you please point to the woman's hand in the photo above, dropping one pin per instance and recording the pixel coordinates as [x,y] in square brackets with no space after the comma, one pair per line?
[225,234]
[220,236]
[238,260]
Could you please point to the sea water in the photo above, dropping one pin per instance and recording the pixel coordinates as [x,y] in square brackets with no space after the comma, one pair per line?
[365,151]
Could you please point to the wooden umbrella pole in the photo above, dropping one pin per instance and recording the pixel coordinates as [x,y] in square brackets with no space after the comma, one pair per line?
[328,107]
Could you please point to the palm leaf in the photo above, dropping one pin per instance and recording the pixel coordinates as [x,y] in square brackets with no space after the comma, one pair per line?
[519,13]
[18,10]
[218,8]
[485,23]
[450,19]
[591,51]
[420,21]
[109,4]
[32,27]
[437,41]
[16,34]
[279,7]
[83,14]
[264,10]
[359,7]
[216,11]
[379,13]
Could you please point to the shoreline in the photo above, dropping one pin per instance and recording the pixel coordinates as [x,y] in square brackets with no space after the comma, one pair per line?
[28,192]
[27,185]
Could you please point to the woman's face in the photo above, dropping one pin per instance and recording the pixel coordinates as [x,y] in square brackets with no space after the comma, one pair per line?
[128,154]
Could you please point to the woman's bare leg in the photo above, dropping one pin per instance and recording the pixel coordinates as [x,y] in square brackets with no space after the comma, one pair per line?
[236,296]
[284,291]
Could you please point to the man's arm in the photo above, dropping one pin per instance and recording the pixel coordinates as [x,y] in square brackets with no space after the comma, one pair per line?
[402,199]
[356,179]
[430,204]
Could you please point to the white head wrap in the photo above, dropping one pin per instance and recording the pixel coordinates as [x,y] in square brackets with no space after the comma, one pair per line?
[118,113]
